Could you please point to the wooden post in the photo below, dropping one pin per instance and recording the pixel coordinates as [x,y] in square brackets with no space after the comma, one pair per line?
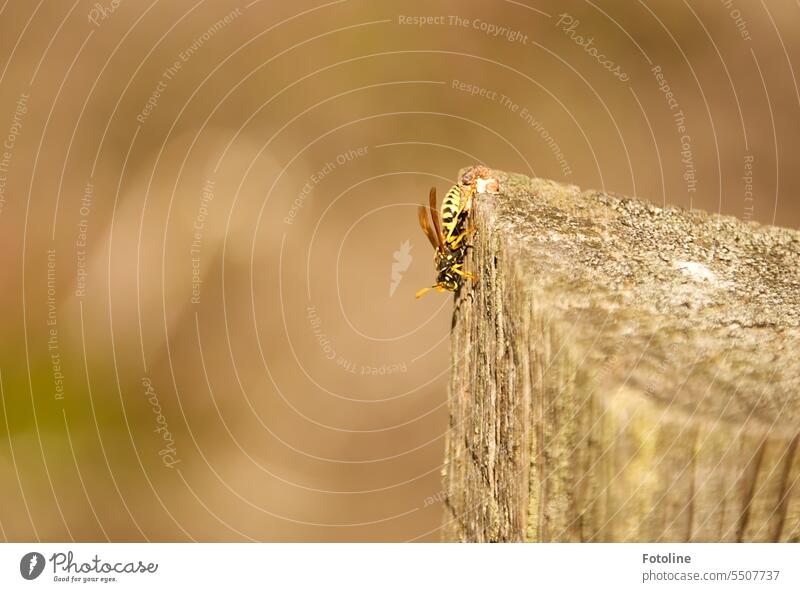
[623,372]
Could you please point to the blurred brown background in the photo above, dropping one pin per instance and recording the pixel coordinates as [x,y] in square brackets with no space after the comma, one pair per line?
[209,329]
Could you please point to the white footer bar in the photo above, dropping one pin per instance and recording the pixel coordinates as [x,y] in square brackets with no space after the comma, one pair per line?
[402,567]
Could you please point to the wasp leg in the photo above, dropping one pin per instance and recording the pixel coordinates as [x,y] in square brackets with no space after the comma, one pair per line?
[455,243]
[437,287]
[461,208]
[457,269]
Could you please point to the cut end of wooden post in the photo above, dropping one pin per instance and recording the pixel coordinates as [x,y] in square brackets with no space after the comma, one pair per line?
[622,372]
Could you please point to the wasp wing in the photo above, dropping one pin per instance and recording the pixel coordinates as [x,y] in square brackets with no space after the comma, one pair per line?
[437,224]
[426,227]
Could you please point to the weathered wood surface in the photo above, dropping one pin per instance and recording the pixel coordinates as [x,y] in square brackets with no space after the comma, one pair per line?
[623,372]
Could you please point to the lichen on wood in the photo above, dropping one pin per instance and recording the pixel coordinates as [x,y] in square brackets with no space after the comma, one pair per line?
[623,372]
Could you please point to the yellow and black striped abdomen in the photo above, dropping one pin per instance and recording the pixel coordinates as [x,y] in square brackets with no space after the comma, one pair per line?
[450,205]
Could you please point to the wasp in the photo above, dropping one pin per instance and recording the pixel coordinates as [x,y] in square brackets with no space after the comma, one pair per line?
[449,247]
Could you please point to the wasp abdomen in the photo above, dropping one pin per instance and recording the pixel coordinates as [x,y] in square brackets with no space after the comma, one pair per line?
[450,208]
